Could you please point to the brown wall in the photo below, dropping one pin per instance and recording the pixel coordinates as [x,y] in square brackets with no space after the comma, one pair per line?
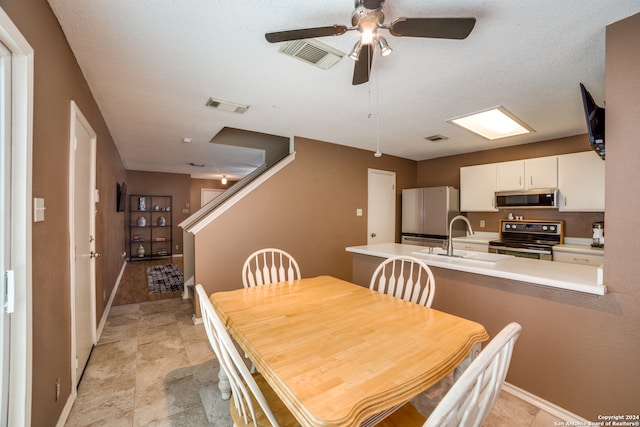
[446,171]
[57,81]
[307,209]
[617,331]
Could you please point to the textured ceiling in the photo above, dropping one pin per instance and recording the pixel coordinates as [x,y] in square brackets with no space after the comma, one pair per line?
[153,64]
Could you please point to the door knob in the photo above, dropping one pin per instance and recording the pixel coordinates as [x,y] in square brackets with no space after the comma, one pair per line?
[373,234]
[94,255]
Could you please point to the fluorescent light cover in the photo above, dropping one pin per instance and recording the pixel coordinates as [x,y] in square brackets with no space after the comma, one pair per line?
[493,124]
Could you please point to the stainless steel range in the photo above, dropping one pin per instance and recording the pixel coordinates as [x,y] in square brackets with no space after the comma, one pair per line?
[528,238]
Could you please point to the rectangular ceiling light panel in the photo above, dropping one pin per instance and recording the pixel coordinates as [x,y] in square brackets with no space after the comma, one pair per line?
[492,124]
[312,52]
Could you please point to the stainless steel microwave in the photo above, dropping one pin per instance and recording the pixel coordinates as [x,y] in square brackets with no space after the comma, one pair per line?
[539,198]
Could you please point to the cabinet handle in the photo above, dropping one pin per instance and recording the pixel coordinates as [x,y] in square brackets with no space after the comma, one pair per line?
[585,260]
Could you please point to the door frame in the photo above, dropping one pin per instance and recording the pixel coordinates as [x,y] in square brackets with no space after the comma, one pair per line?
[78,119]
[19,410]
[370,211]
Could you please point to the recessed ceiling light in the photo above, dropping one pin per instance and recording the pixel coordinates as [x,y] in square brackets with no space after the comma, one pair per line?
[492,124]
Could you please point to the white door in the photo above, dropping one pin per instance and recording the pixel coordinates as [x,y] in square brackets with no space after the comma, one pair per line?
[83,161]
[208,194]
[5,225]
[381,207]
[16,112]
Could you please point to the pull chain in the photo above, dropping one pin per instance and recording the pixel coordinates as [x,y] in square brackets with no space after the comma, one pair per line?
[377,153]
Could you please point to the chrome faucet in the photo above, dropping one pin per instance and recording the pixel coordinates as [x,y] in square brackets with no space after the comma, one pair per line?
[449,242]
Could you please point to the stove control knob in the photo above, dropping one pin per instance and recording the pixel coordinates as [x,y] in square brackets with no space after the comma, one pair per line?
[552,228]
[544,228]
[508,226]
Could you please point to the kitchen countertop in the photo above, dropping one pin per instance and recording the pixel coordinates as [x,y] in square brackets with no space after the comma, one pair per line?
[574,277]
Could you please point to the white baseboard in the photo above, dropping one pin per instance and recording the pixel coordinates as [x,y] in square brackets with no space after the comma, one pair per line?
[545,405]
[107,309]
[196,320]
[62,420]
[188,283]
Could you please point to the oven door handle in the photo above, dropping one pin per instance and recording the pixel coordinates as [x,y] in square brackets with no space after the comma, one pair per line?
[529,251]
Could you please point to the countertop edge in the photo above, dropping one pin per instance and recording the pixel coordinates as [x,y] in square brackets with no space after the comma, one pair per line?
[553,277]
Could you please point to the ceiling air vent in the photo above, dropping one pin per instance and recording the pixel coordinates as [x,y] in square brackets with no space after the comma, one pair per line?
[436,138]
[313,52]
[226,105]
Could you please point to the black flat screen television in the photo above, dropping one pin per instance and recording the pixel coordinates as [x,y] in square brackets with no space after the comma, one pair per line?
[595,122]
[121,190]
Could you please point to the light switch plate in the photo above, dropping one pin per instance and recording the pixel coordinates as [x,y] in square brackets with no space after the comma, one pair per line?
[38,209]
[358,212]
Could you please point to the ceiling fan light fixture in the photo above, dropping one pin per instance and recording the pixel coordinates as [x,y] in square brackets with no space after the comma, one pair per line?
[355,52]
[385,49]
[367,36]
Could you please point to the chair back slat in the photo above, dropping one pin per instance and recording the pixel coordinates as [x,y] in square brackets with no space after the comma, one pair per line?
[269,265]
[281,272]
[405,277]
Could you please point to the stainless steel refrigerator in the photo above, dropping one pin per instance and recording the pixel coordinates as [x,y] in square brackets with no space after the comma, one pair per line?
[426,213]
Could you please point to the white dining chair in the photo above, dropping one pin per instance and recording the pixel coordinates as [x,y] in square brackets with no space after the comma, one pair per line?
[405,277]
[253,401]
[470,399]
[269,265]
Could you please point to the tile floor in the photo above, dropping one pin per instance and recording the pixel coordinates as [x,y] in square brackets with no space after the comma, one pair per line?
[153,367]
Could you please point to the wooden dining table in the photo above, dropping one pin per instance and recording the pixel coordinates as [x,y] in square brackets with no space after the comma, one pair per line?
[337,353]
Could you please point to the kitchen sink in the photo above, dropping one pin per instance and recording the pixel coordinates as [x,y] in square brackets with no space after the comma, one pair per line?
[483,257]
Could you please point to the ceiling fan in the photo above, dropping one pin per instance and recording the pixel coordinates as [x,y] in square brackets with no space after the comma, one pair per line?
[368,18]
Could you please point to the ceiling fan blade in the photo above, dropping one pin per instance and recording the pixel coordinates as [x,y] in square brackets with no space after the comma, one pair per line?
[439,28]
[306,33]
[362,69]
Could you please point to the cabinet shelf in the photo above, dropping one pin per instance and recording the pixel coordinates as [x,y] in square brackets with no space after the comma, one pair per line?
[144,227]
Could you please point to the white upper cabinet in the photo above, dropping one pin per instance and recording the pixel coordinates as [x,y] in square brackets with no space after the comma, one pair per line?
[581,182]
[510,175]
[541,172]
[477,188]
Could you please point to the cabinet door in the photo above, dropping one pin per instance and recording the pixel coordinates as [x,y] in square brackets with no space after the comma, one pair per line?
[578,258]
[477,188]
[581,182]
[510,175]
[471,246]
[541,172]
